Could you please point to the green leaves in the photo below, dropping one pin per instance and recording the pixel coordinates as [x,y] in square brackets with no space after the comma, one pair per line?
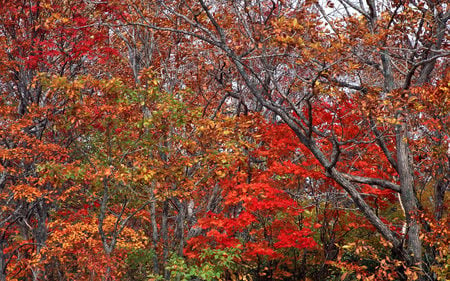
[214,263]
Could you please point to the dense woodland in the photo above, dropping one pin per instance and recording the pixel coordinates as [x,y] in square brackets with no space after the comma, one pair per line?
[224,140]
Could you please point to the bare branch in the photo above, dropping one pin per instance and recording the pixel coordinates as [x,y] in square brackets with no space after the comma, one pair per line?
[373,181]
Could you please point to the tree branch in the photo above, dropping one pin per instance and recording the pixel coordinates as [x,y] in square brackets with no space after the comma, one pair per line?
[373,181]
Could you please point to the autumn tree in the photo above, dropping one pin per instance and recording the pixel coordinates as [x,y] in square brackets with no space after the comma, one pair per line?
[34,38]
[309,67]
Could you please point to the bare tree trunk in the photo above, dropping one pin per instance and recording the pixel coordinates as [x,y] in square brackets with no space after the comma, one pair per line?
[181,216]
[439,194]
[41,230]
[2,262]
[101,218]
[165,238]
[408,196]
[154,232]
[40,234]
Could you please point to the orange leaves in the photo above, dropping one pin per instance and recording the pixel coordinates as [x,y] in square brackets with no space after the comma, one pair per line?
[123,112]
[78,247]
[26,192]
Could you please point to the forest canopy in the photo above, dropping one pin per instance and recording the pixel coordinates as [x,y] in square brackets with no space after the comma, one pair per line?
[224,140]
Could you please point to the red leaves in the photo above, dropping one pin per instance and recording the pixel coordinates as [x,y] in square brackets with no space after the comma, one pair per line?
[96,122]
[256,250]
[299,239]
[259,216]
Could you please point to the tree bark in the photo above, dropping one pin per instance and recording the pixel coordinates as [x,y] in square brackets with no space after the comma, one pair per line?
[408,196]
[2,261]
[165,238]
[154,231]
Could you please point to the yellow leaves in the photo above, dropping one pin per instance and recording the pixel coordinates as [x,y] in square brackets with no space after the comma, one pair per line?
[220,173]
[240,276]
[46,6]
[389,120]
[315,46]
[419,107]
[227,132]
[296,25]
[149,77]
[300,42]
[107,172]
[353,66]
[411,274]
[55,18]
[347,246]
[148,175]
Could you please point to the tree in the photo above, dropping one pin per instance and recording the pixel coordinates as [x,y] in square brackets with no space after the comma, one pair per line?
[35,38]
[302,65]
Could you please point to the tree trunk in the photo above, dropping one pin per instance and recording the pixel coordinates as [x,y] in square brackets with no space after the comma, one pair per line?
[154,232]
[165,238]
[179,231]
[2,262]
[408,196]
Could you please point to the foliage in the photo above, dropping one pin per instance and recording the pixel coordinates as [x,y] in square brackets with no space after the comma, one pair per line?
[224,140]
[213,265]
